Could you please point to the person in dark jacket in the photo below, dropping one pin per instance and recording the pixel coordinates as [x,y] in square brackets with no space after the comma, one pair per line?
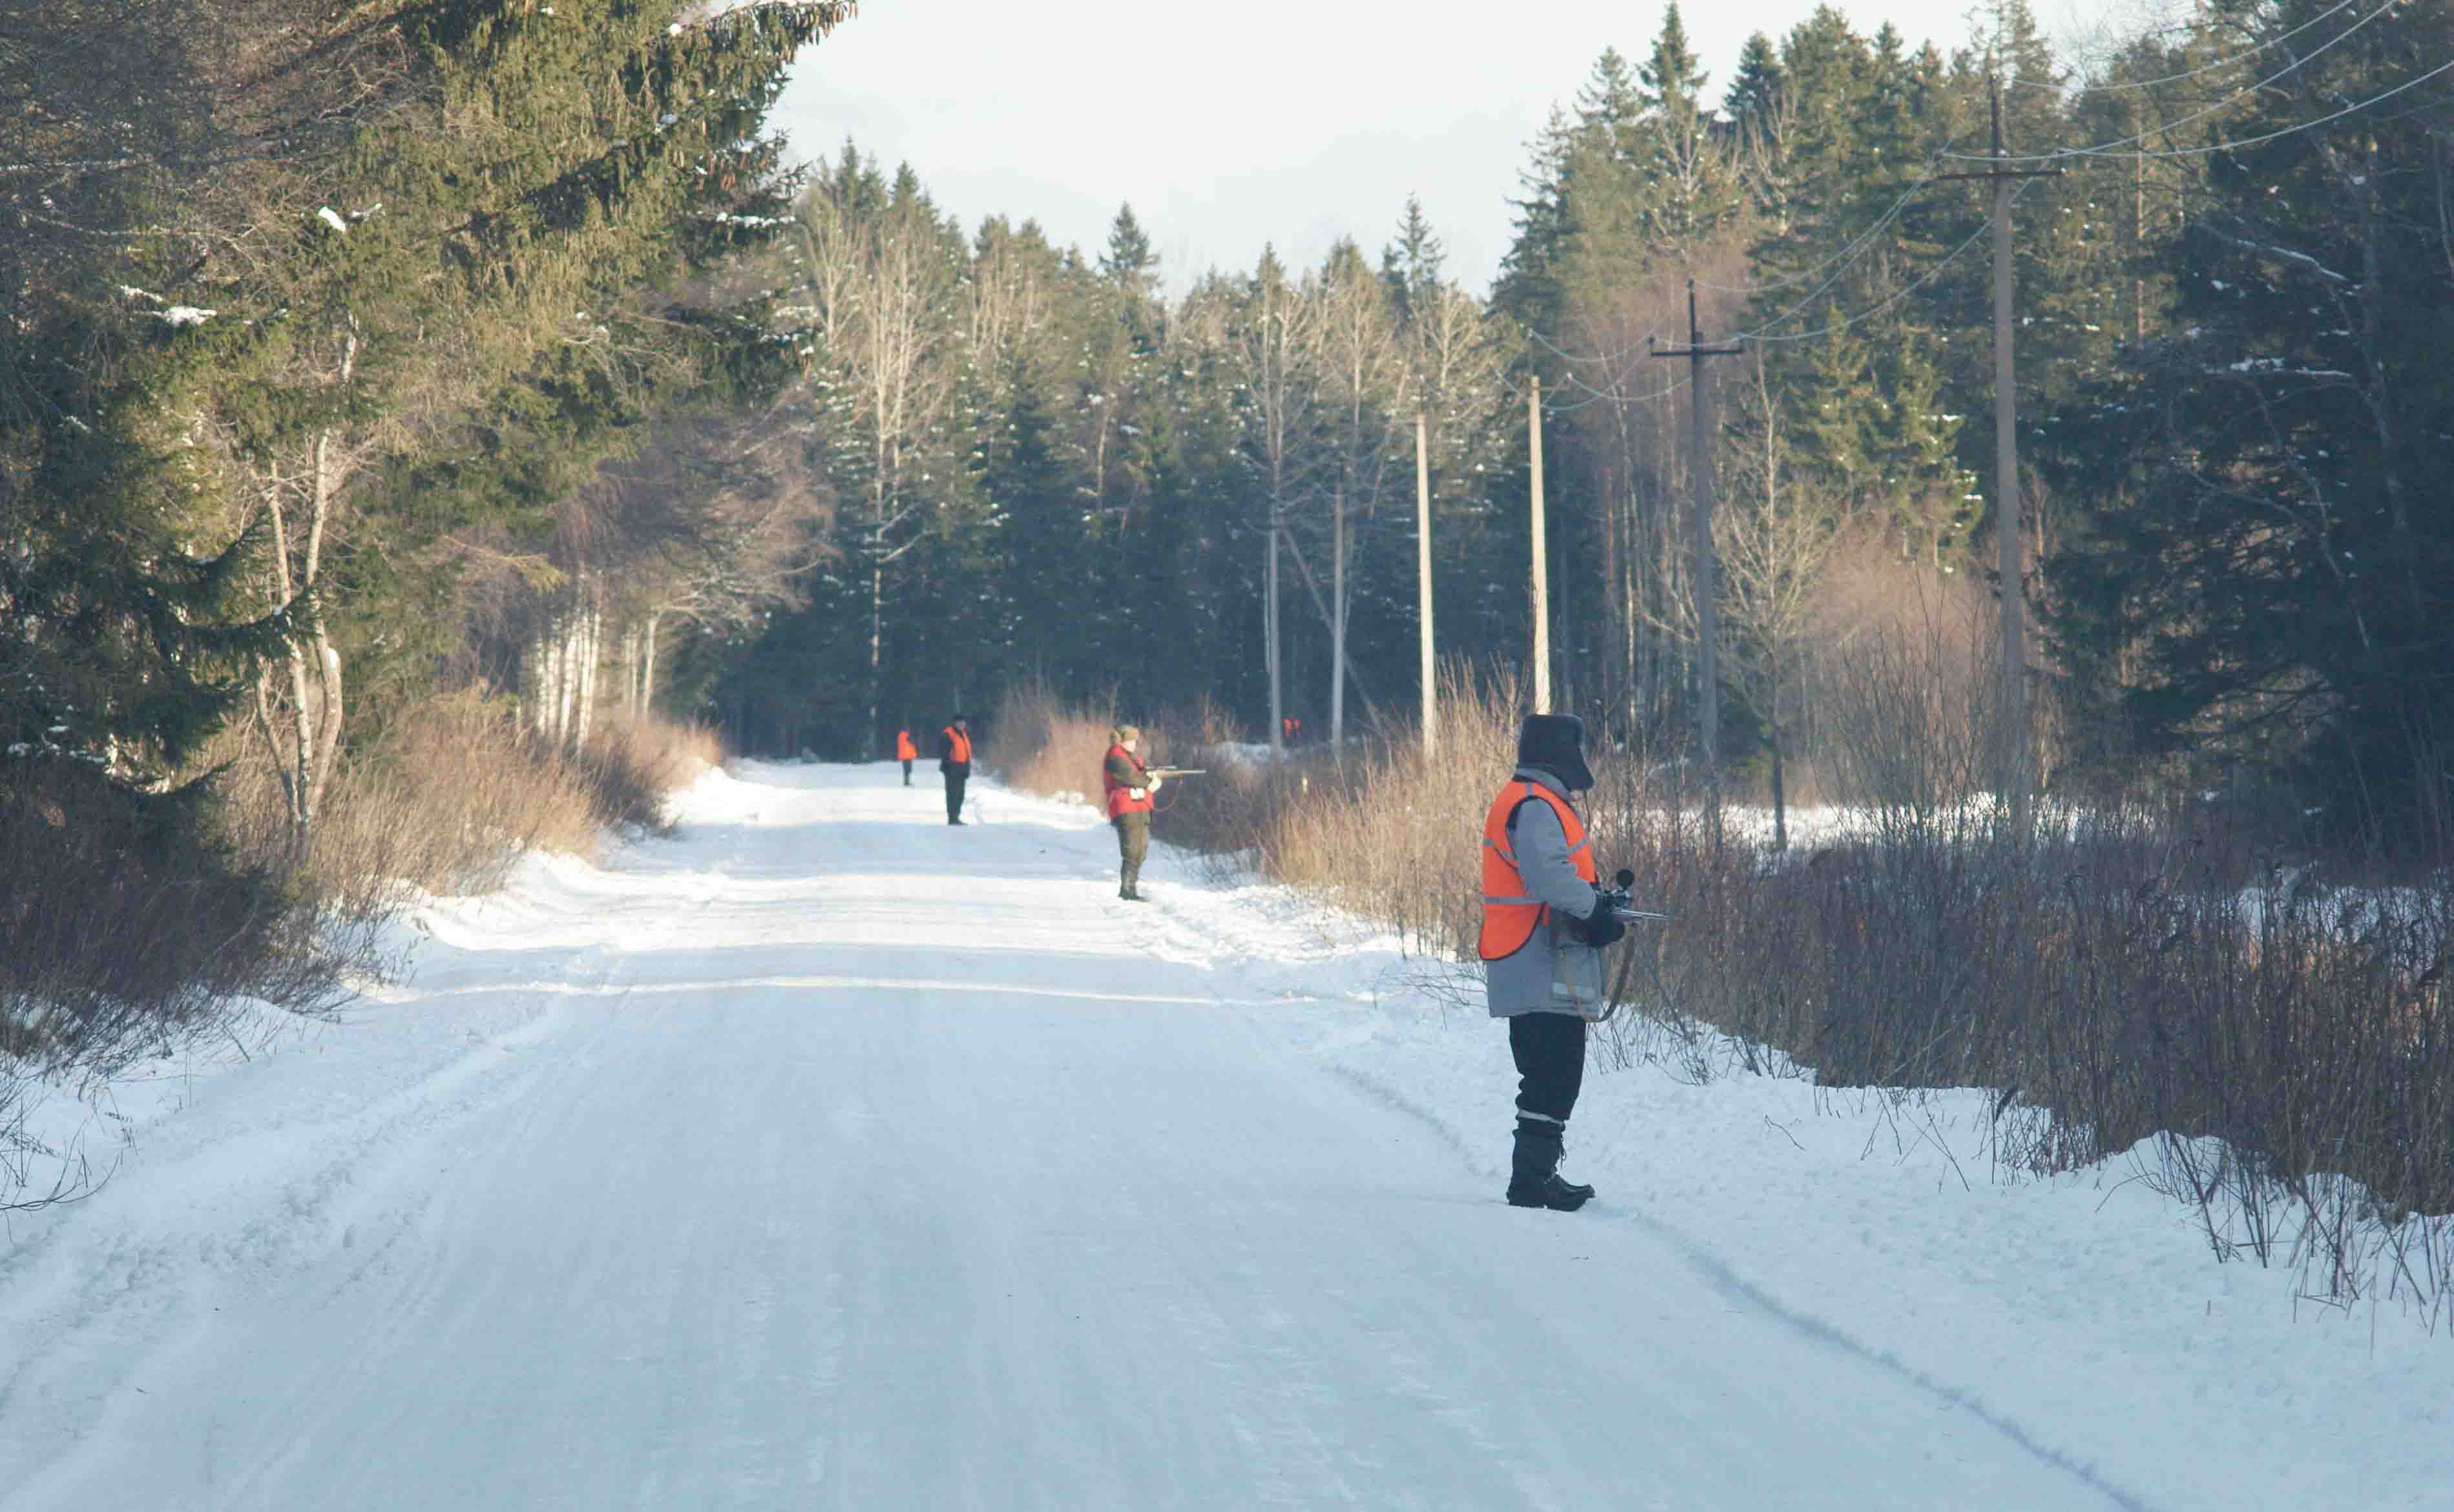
[1130,787]
[955,760]
[1544,927]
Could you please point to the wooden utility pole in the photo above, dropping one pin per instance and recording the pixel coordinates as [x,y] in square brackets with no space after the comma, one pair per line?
[1707,568]
[1541,559]
[2010,561]
[1431,697]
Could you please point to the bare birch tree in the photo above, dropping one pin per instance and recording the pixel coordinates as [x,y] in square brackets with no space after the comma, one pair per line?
[886,295]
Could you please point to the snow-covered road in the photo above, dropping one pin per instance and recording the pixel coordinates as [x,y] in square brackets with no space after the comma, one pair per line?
[826,1157]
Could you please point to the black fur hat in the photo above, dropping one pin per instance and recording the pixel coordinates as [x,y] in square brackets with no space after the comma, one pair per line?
[1556,743]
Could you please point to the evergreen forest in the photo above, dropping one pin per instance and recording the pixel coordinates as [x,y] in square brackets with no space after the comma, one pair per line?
[359,358]
[1074,468]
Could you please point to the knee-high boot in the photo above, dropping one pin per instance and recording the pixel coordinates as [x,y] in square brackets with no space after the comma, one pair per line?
[1533,1179]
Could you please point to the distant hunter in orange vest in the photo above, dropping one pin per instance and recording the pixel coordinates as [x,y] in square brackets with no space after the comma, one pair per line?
[1130,787]
[954,759]
[906,753]
[1543,930]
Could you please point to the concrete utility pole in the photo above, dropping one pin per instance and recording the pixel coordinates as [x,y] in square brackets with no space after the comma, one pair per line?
[2010,561]
[1431,698]
[1707,566]
[1542,557]
[1270,629]
[1338,629]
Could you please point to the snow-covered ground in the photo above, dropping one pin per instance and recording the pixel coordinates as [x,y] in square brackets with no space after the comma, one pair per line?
[829,1157]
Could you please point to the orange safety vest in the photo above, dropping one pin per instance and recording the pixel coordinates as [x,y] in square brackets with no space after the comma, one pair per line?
[962,745]
[1509,914]
[1123,799]
[904,749]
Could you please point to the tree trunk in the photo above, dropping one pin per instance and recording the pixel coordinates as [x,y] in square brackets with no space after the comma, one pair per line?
[592,641]
[647,665]
[877,644]
[1779,793]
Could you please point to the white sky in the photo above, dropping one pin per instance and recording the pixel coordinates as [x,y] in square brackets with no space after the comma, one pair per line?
[1230,126]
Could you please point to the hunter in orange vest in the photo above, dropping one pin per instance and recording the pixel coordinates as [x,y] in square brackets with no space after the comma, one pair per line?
[1130,787]
[955,760]
[906,753]
[1543,930]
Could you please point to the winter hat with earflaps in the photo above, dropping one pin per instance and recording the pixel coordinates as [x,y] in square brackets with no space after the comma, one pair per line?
[1556,743]
[1118,734]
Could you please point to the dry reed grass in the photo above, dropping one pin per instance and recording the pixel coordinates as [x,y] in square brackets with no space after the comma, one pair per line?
[1040,745]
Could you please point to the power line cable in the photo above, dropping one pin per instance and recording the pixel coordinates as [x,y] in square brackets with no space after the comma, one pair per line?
[2295,130]
[1929,277]
[2220,63]
[1849,249]
[1615,360]
[2111,149]
[1863,244]
[1611,395]
[1595,396]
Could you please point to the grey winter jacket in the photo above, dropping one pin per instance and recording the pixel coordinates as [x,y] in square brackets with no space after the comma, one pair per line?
[1530,980]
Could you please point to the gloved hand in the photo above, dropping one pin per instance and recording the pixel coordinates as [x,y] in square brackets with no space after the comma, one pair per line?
[1602,926]
[1154,784]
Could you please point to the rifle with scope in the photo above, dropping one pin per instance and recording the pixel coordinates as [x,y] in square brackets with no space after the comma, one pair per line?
[1620,895]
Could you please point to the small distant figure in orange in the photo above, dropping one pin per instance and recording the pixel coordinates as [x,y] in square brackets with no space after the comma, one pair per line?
[954,759]
[1292,728]
[906,753]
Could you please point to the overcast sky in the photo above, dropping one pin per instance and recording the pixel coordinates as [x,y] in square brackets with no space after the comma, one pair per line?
[1232,125]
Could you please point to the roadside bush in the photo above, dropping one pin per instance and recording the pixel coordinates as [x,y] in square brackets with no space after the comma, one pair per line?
[454,791]
[126,926]
[445,799]
[630,769]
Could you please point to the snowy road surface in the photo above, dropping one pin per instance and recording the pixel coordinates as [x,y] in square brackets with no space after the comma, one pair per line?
[827,1156]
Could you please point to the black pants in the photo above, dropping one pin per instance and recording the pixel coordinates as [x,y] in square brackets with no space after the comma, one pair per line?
[1132,844]
[907,774]
[1550,1051]
[956,777]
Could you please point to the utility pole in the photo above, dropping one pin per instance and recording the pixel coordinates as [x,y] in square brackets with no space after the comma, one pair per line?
[1431,696]
[1707,568]
[1270,629]
[2138,245]
[1338,629]
[2010,561]
[1541,559]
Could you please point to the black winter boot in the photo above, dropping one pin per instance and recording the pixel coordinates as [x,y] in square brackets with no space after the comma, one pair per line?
[1534,1173]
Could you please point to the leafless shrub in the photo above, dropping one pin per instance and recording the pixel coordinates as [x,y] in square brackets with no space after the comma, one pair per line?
[123,928]
[450,796]
[631,768]
[1905,694]
[2113,987]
